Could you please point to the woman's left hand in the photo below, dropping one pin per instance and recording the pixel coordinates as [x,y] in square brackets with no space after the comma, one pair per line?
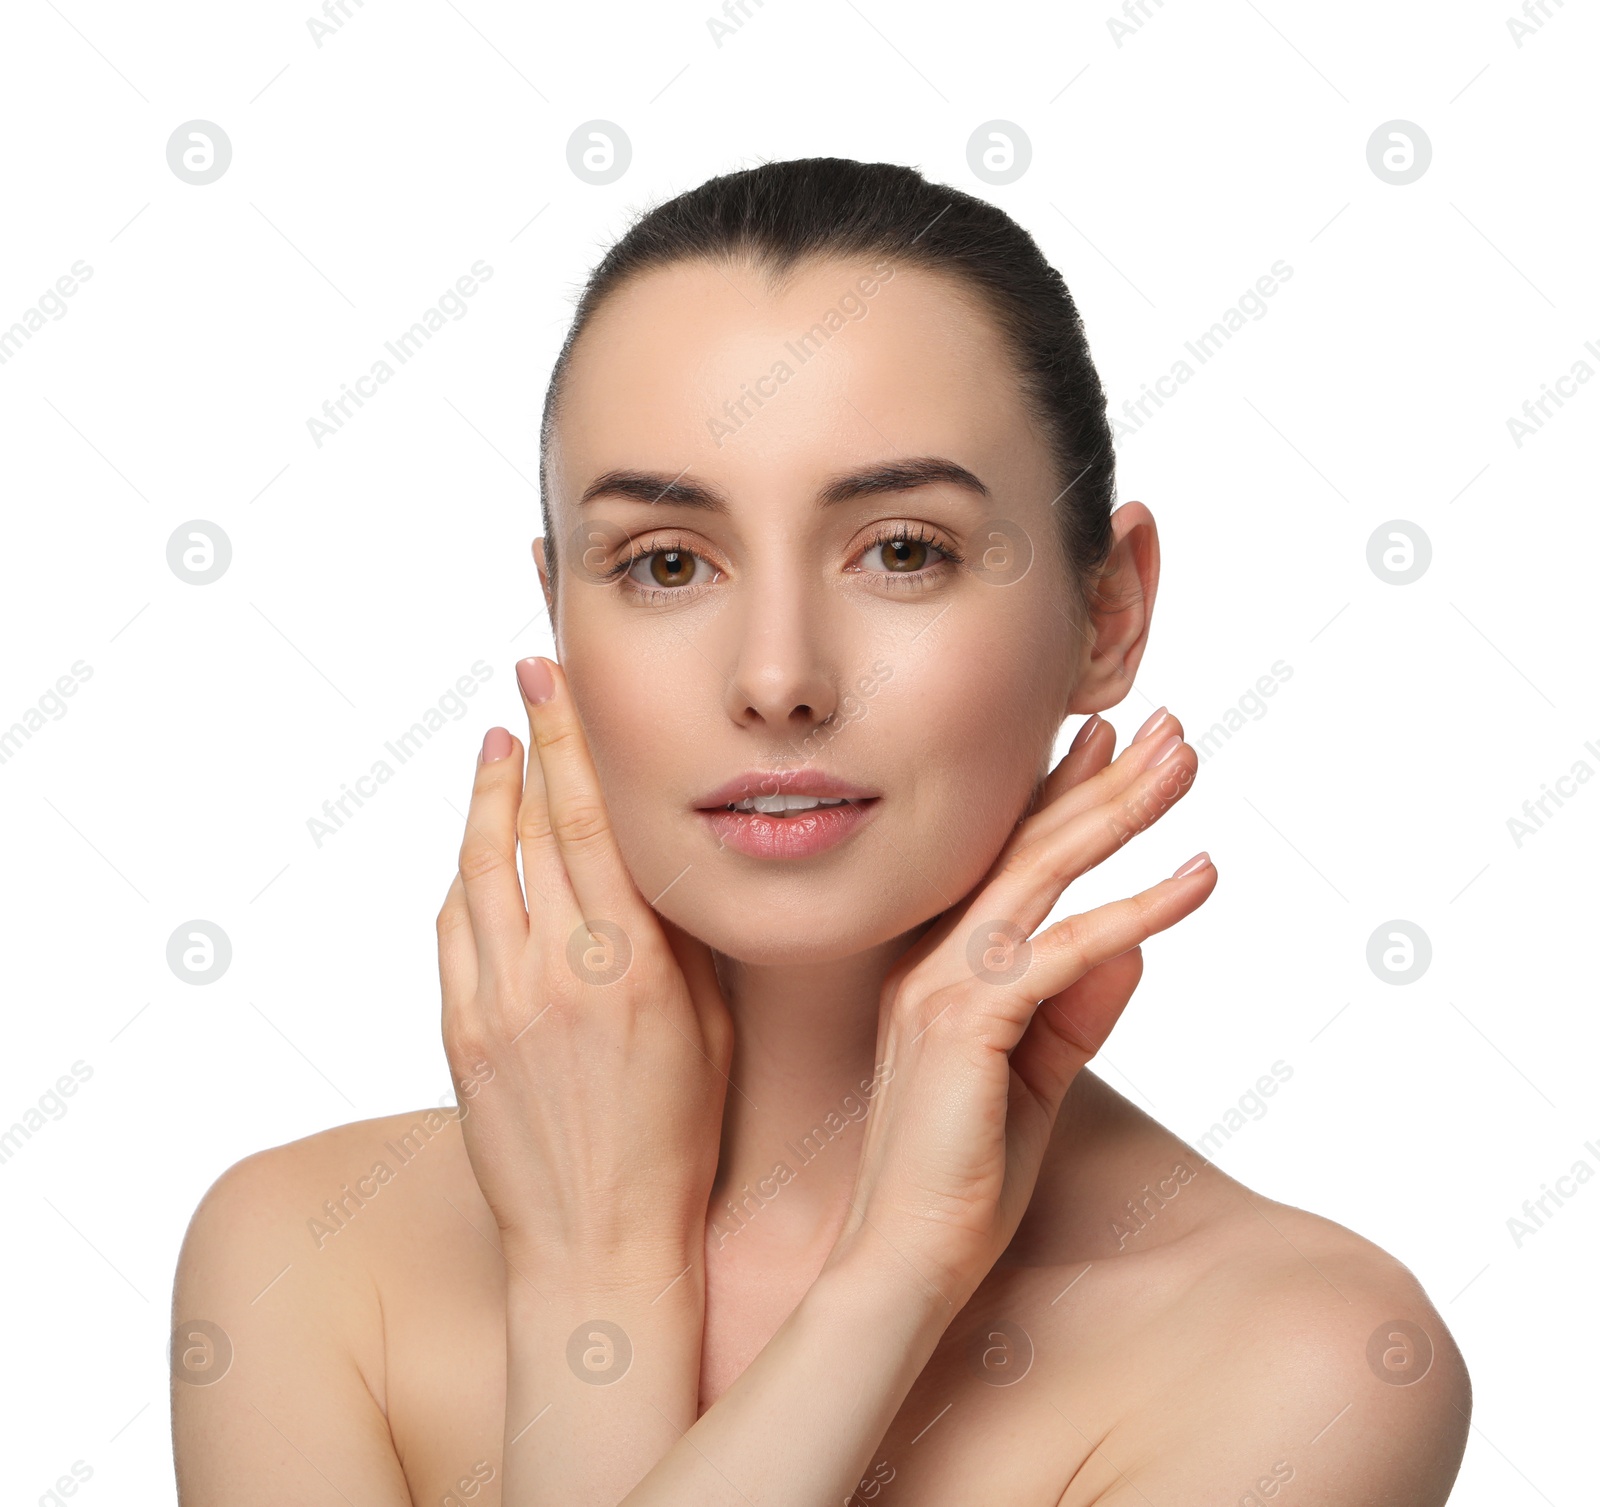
[983,1026]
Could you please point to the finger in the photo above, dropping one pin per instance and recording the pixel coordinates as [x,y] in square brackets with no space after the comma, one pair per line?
[1089,753]
[699,970]
[1062,954]
[1103,777]
[1070,1027]
[568,809]
[1031,879]
[544,871]
[458,952]
[1085,777]
[460,1023]
[487,864]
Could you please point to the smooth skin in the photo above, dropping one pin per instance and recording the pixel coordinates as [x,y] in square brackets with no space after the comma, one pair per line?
[543,1297]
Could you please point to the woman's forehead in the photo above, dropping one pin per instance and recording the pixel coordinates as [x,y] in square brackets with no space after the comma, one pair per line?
[846,359]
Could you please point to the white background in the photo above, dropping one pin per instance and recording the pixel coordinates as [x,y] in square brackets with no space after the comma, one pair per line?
[367,575]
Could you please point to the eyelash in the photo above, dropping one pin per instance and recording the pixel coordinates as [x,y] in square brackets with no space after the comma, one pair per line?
[893,533]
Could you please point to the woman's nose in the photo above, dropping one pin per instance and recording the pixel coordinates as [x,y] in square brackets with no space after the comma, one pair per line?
[782,677]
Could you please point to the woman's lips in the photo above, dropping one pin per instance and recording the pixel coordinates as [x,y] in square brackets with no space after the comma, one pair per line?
[800,834]
[769,782]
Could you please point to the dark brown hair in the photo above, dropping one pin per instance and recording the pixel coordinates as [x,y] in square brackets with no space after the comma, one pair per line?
[782,213]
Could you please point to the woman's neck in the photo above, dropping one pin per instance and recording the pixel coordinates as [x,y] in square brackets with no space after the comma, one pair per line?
[801,1082]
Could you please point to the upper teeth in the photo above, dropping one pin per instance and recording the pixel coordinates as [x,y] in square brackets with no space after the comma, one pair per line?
[773,805]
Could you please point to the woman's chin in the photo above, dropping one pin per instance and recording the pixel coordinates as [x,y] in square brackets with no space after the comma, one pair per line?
[780,938]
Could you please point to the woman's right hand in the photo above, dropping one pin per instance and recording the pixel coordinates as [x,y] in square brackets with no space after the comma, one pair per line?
[588,1036]
[983,1024]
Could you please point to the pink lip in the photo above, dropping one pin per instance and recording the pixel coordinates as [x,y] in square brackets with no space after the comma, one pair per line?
[756,782]
[802,835]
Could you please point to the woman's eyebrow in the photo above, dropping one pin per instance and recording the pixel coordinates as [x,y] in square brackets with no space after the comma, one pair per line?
[887,476]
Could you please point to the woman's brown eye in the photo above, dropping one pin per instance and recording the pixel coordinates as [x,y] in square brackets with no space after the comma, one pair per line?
[905,554]
[672,567]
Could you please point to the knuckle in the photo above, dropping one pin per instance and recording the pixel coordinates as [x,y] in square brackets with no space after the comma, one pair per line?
[1139,809]
[479,858]
[1030,861]
[453,921]
[463,1043]
[556,735]
[1070,936]
[507,1013]
[926,1010]
[580,823]
[533,825]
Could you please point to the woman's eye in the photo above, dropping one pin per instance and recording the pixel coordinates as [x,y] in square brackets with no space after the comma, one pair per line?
[902,556]
[665,568]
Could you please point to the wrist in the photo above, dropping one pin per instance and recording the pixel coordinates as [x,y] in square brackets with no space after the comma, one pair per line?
[858,1287]
[655,1275]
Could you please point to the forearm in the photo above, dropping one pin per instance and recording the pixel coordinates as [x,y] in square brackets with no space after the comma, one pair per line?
[602,1376]
[799,1426]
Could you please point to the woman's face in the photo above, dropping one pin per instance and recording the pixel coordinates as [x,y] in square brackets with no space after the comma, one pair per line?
[795,474]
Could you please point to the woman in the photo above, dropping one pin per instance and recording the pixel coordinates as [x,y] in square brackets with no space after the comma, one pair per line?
[776,1175]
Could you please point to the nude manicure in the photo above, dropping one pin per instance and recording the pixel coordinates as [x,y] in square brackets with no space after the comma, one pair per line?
[1085,732]
[536,680]
[1150,723]
[1199,861]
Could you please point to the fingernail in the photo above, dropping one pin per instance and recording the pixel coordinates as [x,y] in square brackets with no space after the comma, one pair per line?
[496,745]
[1150,723]
[1167,749]
[1199,861]
[536,680]
[1085,732]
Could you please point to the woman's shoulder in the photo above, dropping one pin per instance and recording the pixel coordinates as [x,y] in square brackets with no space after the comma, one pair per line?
[320,1219]
[1289,1347]
[340,1286]
[1257,1341]
[321,1184]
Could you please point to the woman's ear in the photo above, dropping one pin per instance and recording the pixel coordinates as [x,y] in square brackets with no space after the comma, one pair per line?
[1120,604]
[543,566]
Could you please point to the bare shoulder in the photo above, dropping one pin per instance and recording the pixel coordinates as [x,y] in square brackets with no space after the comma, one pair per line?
[321,1212]
[1292,1349]
[280,1326]
[1217,1344]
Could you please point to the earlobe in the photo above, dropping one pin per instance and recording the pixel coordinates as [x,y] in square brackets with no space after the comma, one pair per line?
[1119,620]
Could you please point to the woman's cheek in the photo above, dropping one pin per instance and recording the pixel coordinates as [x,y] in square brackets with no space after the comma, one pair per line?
[622,725]
[969,755]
